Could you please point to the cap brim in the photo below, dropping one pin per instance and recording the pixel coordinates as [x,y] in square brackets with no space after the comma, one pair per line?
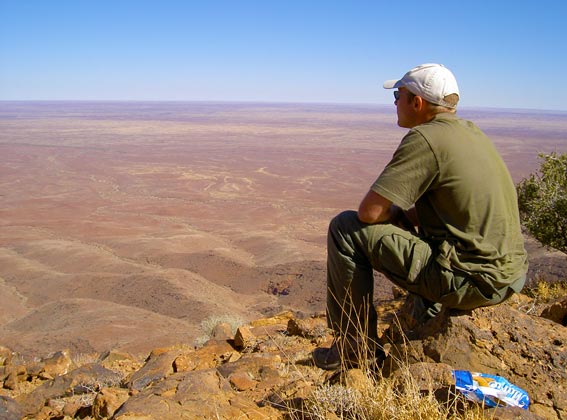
[391,84]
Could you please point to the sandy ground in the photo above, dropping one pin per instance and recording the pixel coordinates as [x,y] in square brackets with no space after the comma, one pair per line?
[125,225]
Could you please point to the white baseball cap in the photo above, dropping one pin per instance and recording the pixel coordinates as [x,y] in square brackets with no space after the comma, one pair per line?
[430,81]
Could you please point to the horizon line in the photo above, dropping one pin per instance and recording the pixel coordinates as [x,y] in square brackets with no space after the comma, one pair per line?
[274,102]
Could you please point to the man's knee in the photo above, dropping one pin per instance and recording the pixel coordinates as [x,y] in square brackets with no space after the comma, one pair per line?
[344,222]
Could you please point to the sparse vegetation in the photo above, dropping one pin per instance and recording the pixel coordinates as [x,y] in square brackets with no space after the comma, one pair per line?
[544,291]
[337,399]
[365,394]
[208,325]
[542,200]
[81,359]
[378,398]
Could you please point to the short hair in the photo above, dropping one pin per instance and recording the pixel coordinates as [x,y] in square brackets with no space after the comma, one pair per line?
[452,100]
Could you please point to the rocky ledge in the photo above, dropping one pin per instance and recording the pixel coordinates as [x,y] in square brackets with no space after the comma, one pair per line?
[264,371]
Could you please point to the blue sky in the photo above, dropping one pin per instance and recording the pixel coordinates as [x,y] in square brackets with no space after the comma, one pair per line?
[505,54]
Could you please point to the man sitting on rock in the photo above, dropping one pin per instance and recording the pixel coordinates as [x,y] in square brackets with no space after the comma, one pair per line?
[447,179]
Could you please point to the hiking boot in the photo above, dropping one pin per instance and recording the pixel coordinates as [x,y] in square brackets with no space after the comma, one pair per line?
[327,358]
[334,357]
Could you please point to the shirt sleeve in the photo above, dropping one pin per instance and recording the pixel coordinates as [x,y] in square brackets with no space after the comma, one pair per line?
[410,173]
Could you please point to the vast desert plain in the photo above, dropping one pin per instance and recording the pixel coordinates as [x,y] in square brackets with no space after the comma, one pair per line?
[126,224]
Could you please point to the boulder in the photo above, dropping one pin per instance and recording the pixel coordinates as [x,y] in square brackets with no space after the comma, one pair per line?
[222,331]
[244,338]
[529,351]
[212,354]
[261,368]
[159,364]
[556,311]
[108,401]
[58,364]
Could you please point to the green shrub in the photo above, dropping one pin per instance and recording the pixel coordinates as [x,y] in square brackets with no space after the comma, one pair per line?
[542,200]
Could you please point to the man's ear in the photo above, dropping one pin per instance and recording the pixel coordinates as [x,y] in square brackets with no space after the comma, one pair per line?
[418,103]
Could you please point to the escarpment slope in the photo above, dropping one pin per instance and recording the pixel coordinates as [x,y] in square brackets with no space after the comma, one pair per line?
[126,225]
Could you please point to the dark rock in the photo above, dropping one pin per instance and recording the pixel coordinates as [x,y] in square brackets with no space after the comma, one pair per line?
[9,409]
[556,311]
[545,263]
[87,378]
[158,365]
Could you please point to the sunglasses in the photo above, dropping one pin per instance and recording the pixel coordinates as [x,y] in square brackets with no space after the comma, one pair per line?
[397,94]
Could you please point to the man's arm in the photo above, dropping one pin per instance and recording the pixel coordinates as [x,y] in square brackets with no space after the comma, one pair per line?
[375,209]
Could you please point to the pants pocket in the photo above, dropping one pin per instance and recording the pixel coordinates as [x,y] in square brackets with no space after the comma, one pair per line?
[402,258]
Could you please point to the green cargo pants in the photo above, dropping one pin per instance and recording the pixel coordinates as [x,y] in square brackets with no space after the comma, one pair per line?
[354,249]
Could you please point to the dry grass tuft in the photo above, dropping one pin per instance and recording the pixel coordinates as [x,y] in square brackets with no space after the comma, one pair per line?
[545,291]
[209,324]
[81,359]
[364,394]
[373,397]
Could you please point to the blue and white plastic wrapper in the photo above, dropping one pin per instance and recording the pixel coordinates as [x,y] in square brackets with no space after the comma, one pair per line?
[491,390]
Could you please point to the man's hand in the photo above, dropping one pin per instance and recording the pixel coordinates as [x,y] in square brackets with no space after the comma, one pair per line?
[403,219]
